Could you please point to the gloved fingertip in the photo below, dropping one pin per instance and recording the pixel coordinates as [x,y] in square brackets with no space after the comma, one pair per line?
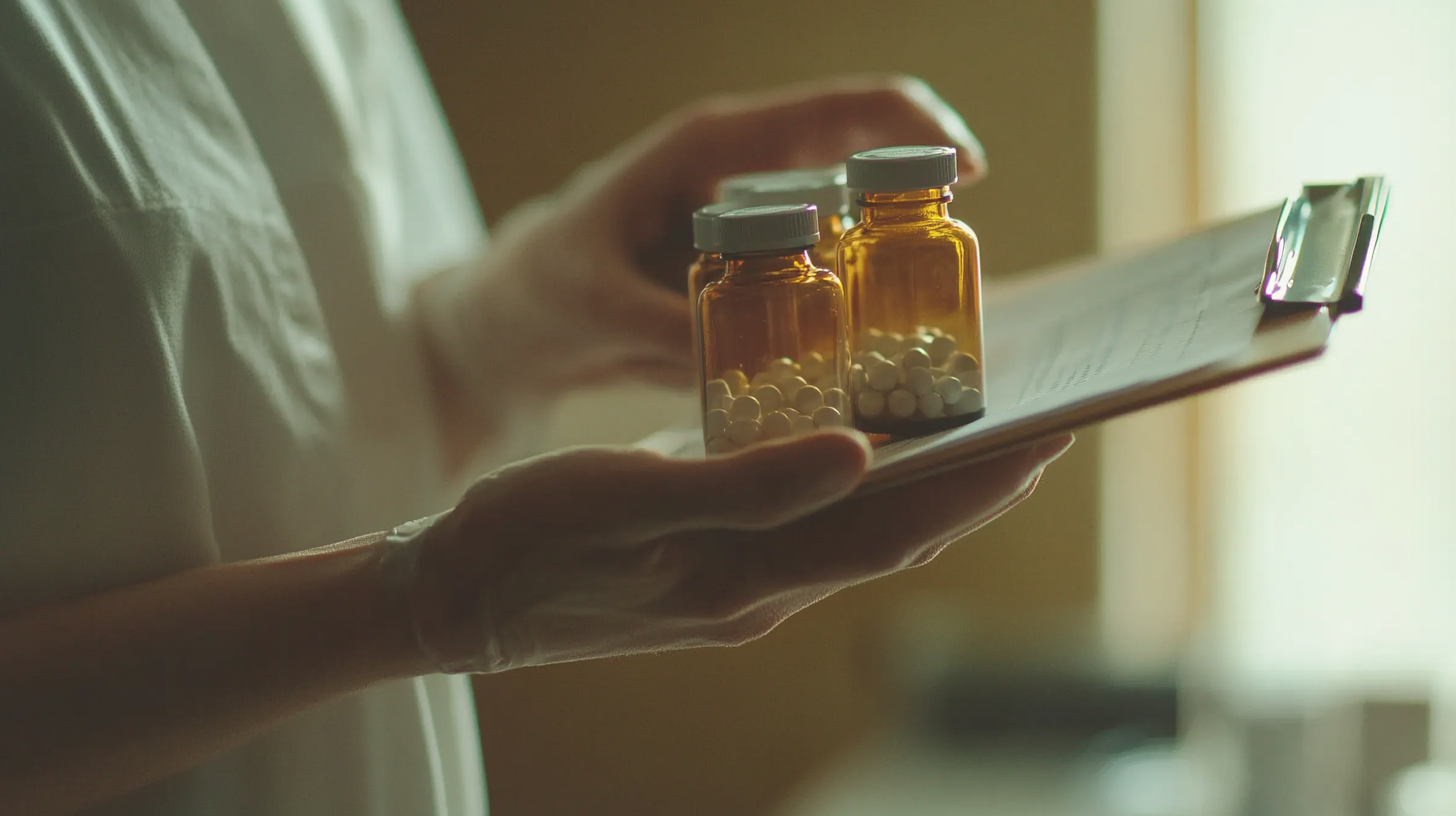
[829,468]
[1049,450]
[860,440]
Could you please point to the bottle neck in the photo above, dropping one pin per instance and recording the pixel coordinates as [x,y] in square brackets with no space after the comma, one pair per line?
[905,207]
[775,263]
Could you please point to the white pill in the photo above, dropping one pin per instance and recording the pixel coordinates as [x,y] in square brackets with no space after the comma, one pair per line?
[960,361]
[972,399]
[931,404]
[768,396]
[889,343]
[858,379]
[720,446]
[918,340]
[715,423]
[761,378]
[791,386]
[808,399]
[737,382]
[949,389]
[790,410]
[803,424]
[722,403]
[916,358]
[745,408]
[970,402]
[883,376]
[836,398]
[813,365]
[717,388]
[777,425]
[744,431]
[898,358]
[868,339]
[870,403]
[933,331]
[919,381]
[901,403]
[941,347]
[868,359]
[827,417]
[783,368]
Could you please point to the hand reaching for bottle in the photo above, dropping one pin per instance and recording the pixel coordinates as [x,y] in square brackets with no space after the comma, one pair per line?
[586,286]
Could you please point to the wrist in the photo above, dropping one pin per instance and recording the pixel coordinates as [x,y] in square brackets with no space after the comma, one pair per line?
[444,604]
[381,629]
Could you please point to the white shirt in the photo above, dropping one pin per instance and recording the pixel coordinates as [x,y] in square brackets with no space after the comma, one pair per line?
[211,215]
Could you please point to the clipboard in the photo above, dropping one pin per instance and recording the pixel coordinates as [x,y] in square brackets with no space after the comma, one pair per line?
[1085,341]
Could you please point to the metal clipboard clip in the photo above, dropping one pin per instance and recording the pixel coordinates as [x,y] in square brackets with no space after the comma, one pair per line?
[1323,247]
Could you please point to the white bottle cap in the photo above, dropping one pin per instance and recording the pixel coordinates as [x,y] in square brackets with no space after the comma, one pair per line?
[773,226]
[896,169]
[823,187]
[705,226]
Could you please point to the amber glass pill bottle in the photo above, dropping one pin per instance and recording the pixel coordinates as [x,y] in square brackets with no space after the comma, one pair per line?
[774,336]
[708,266]
[912,275]
[824,188]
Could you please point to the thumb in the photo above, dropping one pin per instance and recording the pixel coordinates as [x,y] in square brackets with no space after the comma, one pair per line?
[764,486]
[773,484]
[636,495]
[647,319]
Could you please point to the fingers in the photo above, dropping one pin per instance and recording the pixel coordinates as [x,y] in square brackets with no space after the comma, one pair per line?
[821,123]
[856,540]
[813,124]
[614,494]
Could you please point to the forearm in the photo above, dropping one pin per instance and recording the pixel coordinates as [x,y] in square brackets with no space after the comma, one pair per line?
[472,327]
[105,694]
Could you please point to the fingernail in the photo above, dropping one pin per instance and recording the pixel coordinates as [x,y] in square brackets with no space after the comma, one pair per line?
[1049,450]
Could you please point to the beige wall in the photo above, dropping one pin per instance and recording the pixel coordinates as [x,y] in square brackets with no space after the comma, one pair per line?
[535,88]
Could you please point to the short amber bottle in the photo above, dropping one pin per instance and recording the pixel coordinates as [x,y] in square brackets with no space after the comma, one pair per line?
[774,336]
[822,187]
[912,277]
[708,266]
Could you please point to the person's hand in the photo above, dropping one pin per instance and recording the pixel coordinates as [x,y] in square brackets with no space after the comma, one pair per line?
[587,286]
[594,552]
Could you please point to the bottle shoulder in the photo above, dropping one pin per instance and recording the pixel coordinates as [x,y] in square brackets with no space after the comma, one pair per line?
[814,278]
[950,230]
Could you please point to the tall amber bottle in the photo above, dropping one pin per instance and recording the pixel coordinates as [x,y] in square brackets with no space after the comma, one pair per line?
[912,275]
[774,336]
[822,187]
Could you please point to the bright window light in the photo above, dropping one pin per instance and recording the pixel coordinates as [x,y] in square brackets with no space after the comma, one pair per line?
[1332,488]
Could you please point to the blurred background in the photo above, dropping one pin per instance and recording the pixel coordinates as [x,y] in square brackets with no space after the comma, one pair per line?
[1240,604]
